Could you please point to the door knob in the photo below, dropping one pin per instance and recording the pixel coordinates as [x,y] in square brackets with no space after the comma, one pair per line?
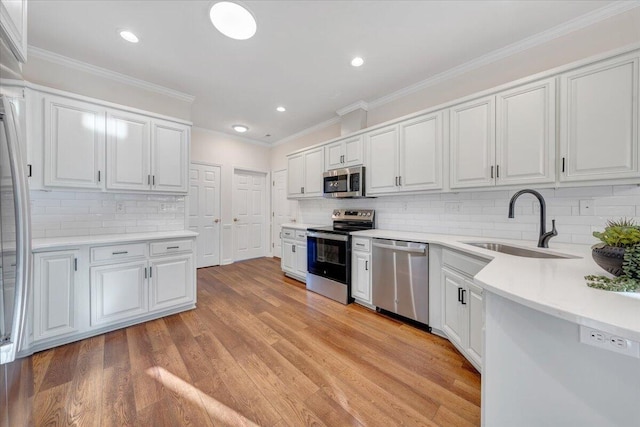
[235,219]
[216,220]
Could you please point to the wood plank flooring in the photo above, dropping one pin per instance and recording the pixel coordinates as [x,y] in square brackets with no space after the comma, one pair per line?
[258,350]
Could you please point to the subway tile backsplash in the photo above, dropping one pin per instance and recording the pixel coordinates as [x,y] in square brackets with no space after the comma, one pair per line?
[76,213]
[484,213]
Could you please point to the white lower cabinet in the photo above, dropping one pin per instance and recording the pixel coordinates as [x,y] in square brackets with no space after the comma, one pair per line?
[361,270]
[171,282]
[94,289]
[462,305]
[118,292]
[294,253]
[54,294]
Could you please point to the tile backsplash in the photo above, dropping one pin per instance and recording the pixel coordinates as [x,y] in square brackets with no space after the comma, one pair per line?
[577,211]
[75,213]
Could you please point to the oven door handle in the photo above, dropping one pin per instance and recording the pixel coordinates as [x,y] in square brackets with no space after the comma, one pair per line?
[328,236]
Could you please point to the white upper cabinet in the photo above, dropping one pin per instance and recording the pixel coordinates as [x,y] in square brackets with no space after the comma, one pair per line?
[170,156]
[421,153]
[406,156]
[506,139]
[472,143]
[599,121]
[13,26]
[74,137]
[525,134]
[304,173]
[128,151]
[382,160]
[345,153]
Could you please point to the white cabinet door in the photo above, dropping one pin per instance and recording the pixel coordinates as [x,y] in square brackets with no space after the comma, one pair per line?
[13,26]
[74,134]
[301,259]
[295,175]
[421,153]
[472,139]
[361,276]
[353,151]
[118,292]
[54,294]
[525,134]
[172,282]
[599,121]
[170,156]
[289,259]
[454,321]
[382,165]
[475,309]
[313,170]
[128,151]
[334,155]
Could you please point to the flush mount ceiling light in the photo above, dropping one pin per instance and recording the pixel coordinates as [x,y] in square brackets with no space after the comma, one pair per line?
[357,61]
[281,109]
[240,128]
[129,36]
[233,20]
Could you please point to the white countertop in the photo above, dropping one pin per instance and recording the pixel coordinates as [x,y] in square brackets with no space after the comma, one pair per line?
[553,286]
[300,226]
[56,243]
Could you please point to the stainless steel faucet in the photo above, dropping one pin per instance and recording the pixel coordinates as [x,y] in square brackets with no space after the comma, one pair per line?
[543,240]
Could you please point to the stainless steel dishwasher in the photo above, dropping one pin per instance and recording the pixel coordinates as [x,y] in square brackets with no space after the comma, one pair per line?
[401,278]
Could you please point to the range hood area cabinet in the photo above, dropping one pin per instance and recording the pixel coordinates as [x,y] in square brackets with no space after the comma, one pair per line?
[344,153]
[405,156]
[79,144]
[304,173]
[505,139]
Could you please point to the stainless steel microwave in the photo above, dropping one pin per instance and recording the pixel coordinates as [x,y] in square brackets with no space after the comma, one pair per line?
[341,183]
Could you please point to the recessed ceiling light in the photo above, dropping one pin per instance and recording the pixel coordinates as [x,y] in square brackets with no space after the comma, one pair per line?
[240,128]
[281,109]
[233,20]
[357,61]
[129,36]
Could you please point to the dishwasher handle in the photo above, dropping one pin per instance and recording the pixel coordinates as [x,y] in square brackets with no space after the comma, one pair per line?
[418,250]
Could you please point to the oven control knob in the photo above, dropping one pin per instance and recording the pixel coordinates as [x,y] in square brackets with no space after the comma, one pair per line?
[336,213]
[368,213]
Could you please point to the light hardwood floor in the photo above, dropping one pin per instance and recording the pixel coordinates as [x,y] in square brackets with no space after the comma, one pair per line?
[258,350]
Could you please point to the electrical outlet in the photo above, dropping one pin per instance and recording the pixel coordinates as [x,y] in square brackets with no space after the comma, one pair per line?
[609,342]
[586,207]
[452,207]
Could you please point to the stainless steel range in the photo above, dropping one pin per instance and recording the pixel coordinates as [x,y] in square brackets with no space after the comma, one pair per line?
[329,253]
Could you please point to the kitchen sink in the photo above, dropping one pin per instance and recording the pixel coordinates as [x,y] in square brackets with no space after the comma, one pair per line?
[517,251]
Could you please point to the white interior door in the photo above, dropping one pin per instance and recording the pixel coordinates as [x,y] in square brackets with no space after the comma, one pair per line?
[284,210]
[249,214]
[204,212]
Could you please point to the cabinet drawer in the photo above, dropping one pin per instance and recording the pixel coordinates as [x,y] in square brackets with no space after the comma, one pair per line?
[362,245]
[288,233]
[463,263]
[118,252]
[301,235]
[163,248]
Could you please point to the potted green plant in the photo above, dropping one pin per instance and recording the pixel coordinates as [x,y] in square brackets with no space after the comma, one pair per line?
[616,238]
[618,254]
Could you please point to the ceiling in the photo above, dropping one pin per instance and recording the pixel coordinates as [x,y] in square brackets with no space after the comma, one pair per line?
[300,56]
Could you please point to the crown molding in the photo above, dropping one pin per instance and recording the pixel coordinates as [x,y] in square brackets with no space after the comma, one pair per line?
[308,130]
[353,107]
[575,24]
[56,58]
[235,137]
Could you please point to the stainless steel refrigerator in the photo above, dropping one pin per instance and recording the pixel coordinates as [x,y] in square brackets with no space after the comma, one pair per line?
[15,245]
